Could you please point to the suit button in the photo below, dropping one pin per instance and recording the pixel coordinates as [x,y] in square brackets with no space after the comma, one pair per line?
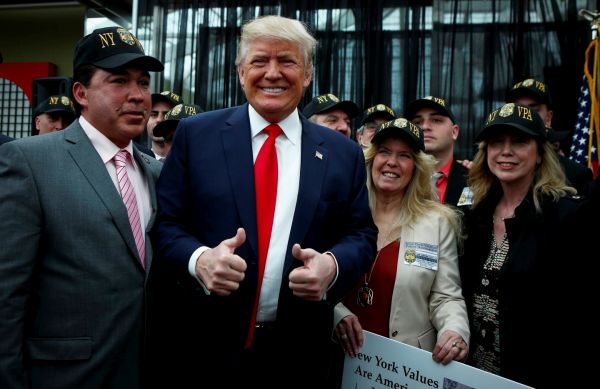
[394,334]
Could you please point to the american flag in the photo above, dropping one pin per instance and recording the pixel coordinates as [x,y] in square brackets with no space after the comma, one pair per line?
[584,149]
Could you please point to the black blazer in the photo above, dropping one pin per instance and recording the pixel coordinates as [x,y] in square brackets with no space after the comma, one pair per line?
[545,286]
[457,182]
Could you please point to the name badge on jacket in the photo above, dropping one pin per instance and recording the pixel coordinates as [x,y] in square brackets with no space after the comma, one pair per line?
[422,255]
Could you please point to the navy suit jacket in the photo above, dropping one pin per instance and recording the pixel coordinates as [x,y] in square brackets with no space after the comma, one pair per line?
[206,191]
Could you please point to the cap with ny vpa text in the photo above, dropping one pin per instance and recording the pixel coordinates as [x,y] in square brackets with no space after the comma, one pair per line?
[113,47]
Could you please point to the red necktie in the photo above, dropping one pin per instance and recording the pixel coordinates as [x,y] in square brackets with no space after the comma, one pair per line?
[265,185]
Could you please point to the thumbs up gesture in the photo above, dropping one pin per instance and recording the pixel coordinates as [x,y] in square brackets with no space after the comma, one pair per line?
[310,282]
[220,269]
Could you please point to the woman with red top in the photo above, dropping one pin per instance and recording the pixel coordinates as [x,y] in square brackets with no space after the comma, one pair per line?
[412,293]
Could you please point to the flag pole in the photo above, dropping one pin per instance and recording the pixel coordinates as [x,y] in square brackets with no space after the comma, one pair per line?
[592,74]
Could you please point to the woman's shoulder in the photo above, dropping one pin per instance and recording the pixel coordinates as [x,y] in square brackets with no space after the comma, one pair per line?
[438,215]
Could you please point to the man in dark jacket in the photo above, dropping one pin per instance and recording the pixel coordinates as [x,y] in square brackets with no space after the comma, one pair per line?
[439,125]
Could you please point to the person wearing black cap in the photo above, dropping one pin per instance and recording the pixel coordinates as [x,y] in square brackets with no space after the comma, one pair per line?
[75,247]
[53,114]
[331,112]
[165,129]
[524,226]
[412,292]
[441,130]
[161,103]
[372,117]
[535,94]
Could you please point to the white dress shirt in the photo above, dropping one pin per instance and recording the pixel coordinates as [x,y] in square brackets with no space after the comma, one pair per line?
[288,146]
[107,150]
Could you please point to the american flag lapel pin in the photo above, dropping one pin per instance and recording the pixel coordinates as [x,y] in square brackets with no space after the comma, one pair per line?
[318,155]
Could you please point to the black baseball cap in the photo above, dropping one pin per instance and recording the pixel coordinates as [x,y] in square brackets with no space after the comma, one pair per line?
[111,48]
[533,88]
[171,98]
[328,102]
[403,128]
[57,103]
[433,102]
[379,110]
[515,116]
[172,118]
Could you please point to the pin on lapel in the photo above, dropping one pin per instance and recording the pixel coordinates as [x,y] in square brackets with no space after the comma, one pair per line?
[318,155]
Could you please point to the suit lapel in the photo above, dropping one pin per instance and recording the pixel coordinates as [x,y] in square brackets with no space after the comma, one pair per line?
[237,147]
[143,162]
[89,162]
[313,161]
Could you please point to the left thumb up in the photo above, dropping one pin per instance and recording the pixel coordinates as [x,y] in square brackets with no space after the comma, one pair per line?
[304,255]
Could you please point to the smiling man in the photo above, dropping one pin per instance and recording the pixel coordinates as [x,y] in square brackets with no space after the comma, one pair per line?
[270,230]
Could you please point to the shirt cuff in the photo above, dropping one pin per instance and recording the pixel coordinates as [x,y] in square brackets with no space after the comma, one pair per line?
[192,266]
[337,273]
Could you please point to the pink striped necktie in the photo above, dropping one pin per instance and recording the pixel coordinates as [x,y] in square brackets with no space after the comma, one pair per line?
[128,195]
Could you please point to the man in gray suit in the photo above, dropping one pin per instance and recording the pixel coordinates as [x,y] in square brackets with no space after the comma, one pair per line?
[75,209]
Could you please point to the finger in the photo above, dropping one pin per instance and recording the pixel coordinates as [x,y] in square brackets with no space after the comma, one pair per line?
[301,254]
[238,264]
[344,340]
[226,285]
[298,278]
[237,240]
[353,342]
[453,354]
[307,296]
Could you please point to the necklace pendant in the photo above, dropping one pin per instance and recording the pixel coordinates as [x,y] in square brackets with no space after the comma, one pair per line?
[364,297]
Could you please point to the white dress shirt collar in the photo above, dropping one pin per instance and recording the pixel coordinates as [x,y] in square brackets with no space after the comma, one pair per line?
[291,125]
[104,146]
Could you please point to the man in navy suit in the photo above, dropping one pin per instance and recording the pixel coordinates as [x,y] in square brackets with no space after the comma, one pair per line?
[322,240]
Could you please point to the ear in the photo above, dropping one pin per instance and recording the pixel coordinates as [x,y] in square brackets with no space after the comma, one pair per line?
[80,94]
[307,78]
[549,115]
[455,130]
[37,122]
[241,75]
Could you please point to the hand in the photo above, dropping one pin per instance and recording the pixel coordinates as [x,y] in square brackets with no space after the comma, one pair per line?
[466,163]
[450,346]
[220,269]
[310,282]
[349,334]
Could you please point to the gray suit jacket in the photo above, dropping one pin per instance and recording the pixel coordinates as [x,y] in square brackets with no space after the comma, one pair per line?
[72,289]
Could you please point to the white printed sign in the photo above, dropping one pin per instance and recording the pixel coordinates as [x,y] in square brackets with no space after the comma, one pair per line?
[384,363]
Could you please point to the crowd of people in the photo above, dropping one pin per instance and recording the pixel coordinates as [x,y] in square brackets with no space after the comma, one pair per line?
[251,243]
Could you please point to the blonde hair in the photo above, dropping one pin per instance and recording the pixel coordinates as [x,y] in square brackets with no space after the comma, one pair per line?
[280,28]
[419,197]
[549,179]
